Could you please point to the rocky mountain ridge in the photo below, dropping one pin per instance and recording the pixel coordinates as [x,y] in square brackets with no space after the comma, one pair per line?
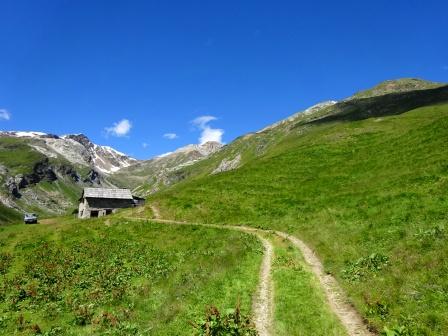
[75,148]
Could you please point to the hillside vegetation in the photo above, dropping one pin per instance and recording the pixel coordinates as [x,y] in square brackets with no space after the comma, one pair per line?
[117,277]
[368,193]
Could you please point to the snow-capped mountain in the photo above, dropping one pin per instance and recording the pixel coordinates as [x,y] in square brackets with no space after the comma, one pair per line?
[46,172]
[77,149]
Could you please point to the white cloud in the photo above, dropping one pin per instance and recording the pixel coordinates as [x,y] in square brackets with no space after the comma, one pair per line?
[120,129]
[145,145]
[207,132]
[211,134]
[4,114]
[170,136]
[202,121]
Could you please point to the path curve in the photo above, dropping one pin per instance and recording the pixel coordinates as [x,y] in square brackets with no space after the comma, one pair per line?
[263,302]
[263,306]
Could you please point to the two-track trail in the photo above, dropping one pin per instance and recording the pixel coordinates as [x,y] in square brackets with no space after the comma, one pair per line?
[263,305]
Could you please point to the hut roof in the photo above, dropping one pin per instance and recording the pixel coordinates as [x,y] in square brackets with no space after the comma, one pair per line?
[107,193]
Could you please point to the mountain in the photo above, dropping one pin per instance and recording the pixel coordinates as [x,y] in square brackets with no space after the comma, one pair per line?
[76,149]
[47,171]
[363,181]
[398,86]
[149,176]
[392,97]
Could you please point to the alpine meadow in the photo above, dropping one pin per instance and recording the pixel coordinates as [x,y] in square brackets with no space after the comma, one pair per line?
[231,242]
[223,168]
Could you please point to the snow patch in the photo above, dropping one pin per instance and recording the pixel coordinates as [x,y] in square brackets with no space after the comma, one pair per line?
[23,134]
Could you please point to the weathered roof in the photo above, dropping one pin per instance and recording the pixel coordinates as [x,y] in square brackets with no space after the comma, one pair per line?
[107,193]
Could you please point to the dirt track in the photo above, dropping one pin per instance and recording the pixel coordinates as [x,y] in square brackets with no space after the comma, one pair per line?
[263,304]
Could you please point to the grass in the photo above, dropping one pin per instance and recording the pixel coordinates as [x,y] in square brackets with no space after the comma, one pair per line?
[352,190]
[8,215]
[24,158]
[117,277]
[300,305]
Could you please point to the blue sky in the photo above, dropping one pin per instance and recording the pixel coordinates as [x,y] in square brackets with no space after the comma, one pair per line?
[147,77]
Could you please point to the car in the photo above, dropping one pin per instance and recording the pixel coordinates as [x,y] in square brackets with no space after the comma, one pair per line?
[30,218]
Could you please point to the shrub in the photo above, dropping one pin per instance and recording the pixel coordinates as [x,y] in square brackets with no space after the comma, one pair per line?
[232,323]
[83,315]
[395,331]
[357,270]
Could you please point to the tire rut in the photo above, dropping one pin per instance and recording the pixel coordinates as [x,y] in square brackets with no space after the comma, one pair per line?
[336,297]
[263,305]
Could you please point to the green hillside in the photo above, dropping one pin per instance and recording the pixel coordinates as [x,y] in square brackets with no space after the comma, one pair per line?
[8,215]
[397,98]
[17,156]
[367,189]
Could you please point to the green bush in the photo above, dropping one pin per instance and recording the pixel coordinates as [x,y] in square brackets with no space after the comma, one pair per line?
[232,323]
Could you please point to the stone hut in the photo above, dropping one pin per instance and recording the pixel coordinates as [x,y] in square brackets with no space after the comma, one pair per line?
[97,202]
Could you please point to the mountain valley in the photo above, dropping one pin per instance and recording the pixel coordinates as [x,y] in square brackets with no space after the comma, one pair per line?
[357,186]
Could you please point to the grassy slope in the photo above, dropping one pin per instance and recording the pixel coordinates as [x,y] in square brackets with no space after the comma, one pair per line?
[123,278]
[17,156]
[8,215]
[351,190]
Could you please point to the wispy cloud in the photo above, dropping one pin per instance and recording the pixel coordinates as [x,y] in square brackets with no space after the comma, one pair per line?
[170,136]
[202,121]
[207,132]
[164,154]
[5,114]
[145,145]
[119,129]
